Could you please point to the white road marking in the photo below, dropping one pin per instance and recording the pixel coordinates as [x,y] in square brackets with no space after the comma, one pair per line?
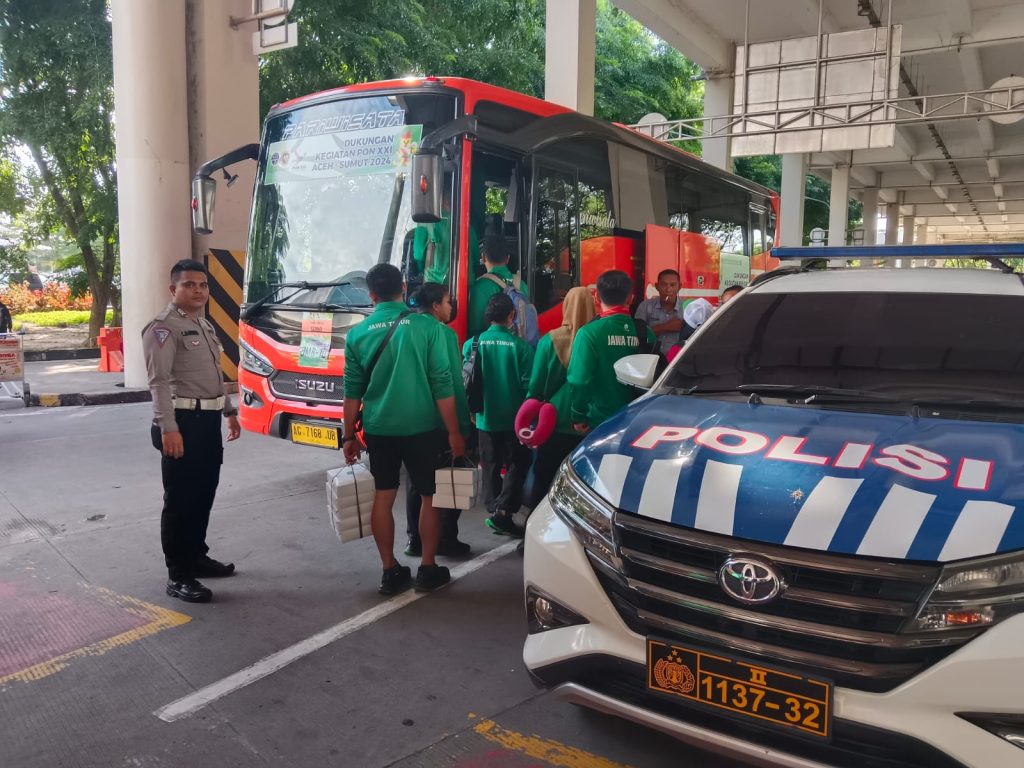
[189,705]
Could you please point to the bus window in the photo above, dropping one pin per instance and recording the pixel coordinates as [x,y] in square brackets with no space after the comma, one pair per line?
[493,208]
[557,249]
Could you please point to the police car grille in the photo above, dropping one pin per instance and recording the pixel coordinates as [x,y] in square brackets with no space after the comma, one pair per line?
[839,616]
[308,387]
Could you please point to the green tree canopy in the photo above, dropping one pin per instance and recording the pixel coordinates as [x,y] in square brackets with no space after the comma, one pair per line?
[56,100]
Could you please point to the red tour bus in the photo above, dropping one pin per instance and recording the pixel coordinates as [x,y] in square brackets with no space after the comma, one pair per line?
[337,192]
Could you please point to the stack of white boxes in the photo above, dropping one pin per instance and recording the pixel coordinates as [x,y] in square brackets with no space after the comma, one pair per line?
[350,501]
[456,487]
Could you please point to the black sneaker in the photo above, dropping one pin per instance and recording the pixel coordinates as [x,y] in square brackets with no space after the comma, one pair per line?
[397,578]
[452,548]
[413,547]
[208,568]
[431,577]
[189,590]
[503,524]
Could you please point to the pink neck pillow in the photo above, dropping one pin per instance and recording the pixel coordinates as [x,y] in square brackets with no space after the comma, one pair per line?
[535,422]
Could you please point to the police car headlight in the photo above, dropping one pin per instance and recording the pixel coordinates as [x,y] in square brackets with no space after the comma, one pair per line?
[974,593]
[589,516]
[254,362]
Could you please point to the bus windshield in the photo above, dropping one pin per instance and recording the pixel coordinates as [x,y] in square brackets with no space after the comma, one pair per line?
[331,198]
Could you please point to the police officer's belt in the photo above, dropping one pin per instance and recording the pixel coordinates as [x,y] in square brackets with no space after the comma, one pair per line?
[199,403]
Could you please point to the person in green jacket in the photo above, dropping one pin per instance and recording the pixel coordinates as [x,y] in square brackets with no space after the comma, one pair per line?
[595,392]
[434,300]
[505,362]
[549,383]
[495,256]
[401,398]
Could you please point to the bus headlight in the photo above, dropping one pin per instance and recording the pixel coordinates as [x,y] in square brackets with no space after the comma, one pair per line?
[974,593]
[254,362]
[586,513]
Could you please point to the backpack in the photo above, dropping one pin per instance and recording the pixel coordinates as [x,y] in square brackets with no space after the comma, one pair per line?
[473,378]
[525,324]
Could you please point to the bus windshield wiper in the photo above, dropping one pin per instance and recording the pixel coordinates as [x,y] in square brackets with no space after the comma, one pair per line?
[299,286]
[817,392]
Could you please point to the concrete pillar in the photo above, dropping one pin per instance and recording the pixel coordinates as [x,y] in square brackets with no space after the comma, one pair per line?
[921,232]
[224,112]
[892,223]
[151,105]
[908,231]
[870,200]
[717,103]
[794,174]
[569,45]
[838,205]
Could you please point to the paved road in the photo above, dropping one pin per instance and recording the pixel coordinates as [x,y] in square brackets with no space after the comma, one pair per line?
[91,648]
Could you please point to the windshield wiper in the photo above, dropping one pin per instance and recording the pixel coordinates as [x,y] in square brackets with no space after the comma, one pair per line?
[335,307]
[817,392]
[299,286]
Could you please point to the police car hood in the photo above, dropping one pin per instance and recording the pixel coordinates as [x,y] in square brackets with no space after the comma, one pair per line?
[839,481]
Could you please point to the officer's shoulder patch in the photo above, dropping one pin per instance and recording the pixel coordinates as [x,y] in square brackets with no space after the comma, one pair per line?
[161,333]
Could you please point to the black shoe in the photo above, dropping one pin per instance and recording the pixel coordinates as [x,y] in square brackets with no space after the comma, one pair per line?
[189,590]
[209,568]
[397,578]
[431,577]
[453,548]
[503,524]
[413,548]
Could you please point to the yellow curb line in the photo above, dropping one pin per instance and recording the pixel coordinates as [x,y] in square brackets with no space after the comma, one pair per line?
[551,752]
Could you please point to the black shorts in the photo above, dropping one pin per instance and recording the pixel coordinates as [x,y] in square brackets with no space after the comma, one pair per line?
[419,453]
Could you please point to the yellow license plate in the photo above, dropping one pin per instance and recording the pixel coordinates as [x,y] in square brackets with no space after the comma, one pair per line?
[751,691]
[312,434]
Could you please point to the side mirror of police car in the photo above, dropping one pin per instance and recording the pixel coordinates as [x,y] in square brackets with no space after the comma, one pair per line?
[637,370]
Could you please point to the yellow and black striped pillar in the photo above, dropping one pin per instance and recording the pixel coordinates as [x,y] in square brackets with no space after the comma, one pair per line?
[227,270]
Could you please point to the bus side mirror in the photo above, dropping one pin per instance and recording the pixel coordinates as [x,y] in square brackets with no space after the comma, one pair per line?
[204,193]
[427,186]
[637,371]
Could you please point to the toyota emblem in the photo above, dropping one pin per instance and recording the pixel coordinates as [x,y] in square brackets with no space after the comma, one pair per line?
[750,579]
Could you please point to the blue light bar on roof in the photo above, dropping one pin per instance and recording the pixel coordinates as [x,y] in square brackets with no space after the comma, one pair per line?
[964,251]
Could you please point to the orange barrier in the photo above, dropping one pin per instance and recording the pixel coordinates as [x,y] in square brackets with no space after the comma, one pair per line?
[111,350]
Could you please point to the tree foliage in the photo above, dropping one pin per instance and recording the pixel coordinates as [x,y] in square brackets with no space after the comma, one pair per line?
[56,100]
[767,171]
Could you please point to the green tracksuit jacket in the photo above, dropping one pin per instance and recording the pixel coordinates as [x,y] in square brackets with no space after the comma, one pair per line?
[413,372]
[595,392]
[549,382]
[506,362]
[451,345]
[480,293]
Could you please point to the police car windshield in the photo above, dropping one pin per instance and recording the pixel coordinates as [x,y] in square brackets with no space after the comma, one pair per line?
[331,199]
[905,346]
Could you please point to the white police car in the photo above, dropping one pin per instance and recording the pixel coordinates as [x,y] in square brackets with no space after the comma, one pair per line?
[805,546]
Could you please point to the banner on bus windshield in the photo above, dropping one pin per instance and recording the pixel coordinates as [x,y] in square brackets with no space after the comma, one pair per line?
[332,155]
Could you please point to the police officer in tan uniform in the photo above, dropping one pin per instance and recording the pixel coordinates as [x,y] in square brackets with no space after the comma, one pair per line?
[185,378]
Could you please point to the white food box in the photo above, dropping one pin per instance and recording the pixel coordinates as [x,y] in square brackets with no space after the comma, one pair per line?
[350,492]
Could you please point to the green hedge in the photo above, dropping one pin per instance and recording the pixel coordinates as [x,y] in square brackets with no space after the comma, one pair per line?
[57,319]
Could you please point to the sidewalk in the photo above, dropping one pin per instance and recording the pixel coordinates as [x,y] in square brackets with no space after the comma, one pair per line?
[77,382]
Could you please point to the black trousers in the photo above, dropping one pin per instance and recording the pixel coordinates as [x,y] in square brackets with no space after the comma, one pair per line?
[449,517]
[546,461]
[190,485]
[497,450]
